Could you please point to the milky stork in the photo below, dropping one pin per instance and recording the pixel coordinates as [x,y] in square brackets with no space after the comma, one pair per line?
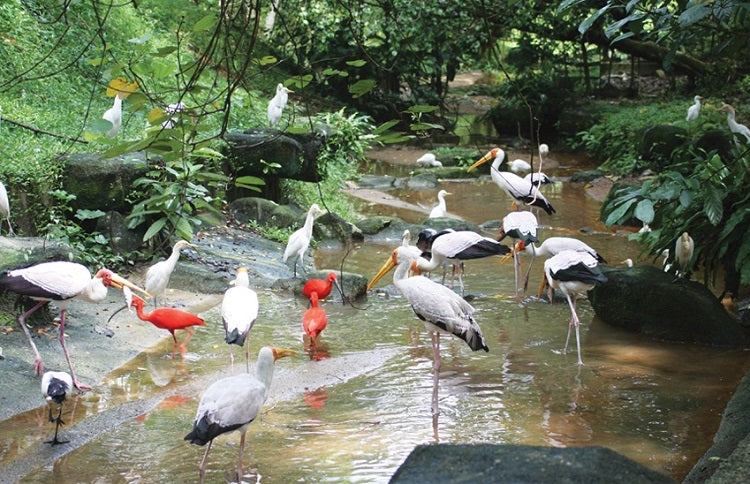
[277,104]
[441,310]
[299,241]
[61,282]
[157,276]
[440,210]
[573,273]
[239,310]
[521,226]
[232,403]
[515,186]
[56,386]
[454,247]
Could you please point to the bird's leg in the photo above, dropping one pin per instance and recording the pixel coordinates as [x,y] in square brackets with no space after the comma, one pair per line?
[461,278]
[174,347]
[239,460]
[183,345]
[574,321]
[247,356]
[202,465]
[38,367]
[58,422]
[516,269]
[80,386]
[436,369]
[528,272]
[231,358]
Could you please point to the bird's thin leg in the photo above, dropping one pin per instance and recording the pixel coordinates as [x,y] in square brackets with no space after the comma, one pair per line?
[460,277]
[174,347]
[528,271]
[574,321]
[436,369]
[239,459]
[38,367]
[516,269]
[58,422]
[247,356]
[183,345]
[231,358]
[10,228]
[202,465]
[80,386]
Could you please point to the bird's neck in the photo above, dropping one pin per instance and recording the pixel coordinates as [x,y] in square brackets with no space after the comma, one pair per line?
[242,280]
[402,270]
[264,372]
[309,223]
[428,265]
[173,257]
[141,315]
[94,292]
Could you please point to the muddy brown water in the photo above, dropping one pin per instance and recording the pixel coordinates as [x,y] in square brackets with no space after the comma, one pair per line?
[655,402]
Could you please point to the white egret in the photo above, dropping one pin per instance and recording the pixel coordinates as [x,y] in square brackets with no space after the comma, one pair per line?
[5,208]
[157,276]
[683,252]
[440,210]
[233,403]
[114,116]
[734,126]
[277,104]
[429,159]
[694,110]
[299,241]
[519,166]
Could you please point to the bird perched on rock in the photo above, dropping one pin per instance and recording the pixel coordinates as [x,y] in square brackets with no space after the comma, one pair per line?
[239,310]
[734,126]
[319,287]
[429,159]
[56,386]
[5,208]
[157,276]
[299,241]
[694,110]
[232,403]
[277,104]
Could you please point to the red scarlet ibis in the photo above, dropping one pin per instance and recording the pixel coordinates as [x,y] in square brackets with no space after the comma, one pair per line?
[277,104]
[232,403]
[440,210]
[515,186]
[694,110]
[157,276]
[683,252]
[170,319]
[429,159]
[61,282]
[114,116]
[573,273]
[5,208]
[56,386]
[299,241]
[314,321]
[320,287]
[239,310]
[441,310]
[734,126]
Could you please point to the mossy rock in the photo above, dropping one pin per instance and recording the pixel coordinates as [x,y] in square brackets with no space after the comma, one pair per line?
[376,181]
[373,225]
[422,181]
[354,285]
[586,176]
[18,252]
[648,301]
[265,212]
[123,240]
[441,223]
[332,226]
[387,229]
[715,139]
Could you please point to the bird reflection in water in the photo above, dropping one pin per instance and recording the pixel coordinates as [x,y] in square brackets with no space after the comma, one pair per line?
[316,399]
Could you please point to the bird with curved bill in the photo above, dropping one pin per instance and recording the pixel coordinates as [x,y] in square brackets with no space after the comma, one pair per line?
[321,288]
[61,282]
[233,403]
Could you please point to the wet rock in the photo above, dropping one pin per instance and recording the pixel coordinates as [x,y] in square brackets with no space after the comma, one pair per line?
[353,285]
[376,181]
[441,223]
[423,181]
[585,176]
[102,183]
[520,463]
[446,172]
[649,301]
[122,239]
[265,212]
[199,277]
[332,226]
[387,229]
[373,225]
[17,252]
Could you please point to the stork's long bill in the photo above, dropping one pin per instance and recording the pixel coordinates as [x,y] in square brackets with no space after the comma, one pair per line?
[519,246]
[389,264]
[282,352]
[490,155]
[118,282]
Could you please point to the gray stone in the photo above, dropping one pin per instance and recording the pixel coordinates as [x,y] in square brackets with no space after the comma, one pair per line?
[353,285]
[376,181]
[331,226]
[122,239]
[446,172]
[265,212]
[422,182]
[102,183]
[651,302]
[17,252]
[586,176]
[520,464]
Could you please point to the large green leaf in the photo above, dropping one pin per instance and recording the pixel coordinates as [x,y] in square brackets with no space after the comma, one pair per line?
[712,206]
[586,24]
[154,228]
[644,211]
[362,87]
[617,214]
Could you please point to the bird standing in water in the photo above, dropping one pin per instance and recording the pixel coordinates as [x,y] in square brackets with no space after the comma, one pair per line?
[239,310]
[56,386]
[157,276]
[314,321]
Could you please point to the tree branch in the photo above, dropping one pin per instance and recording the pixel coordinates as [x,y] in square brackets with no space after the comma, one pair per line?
[41,131]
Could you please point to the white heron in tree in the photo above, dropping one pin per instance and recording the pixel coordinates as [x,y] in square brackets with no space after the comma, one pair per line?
[232,403]
[429,159]
[734,126]
[239,310]
[5,208]
[440,210]
[60,282]
[515,186]
[441,310]
[694,110]
[573,273]
[56,386]
[114,116]
[157,276]
[683,252]
[455,247]
[520,226]
[299,241]
[277,104]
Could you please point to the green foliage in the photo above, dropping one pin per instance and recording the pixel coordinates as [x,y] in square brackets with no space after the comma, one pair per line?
[704,196]
[279,234]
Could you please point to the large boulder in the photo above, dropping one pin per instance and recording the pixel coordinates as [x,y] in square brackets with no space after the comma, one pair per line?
[17,252]
[265,212]
[102,183]
[353,285]
[520,464]
[651,302]
[332,226]
[123,240]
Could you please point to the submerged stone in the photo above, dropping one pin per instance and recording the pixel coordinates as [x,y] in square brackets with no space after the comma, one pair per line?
[651,302]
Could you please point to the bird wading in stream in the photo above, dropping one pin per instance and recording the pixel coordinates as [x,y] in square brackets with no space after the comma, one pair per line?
[233,403]
[299,241]
[314,321]
[56,386]
[239,310]
[60,282]
[157,276]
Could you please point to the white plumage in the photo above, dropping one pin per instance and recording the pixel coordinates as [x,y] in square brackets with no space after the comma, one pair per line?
[429,159]
[170,110]
[683,252]
[157,276]
[520,226]
[537,179]
[573,273]
[299,241]
[56,386]
[232,403]
[515,186]
[734,126]
[277,104]
[519,166]
[694,110]
[440,210]
[114,116]
[239,310]
[5,208]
